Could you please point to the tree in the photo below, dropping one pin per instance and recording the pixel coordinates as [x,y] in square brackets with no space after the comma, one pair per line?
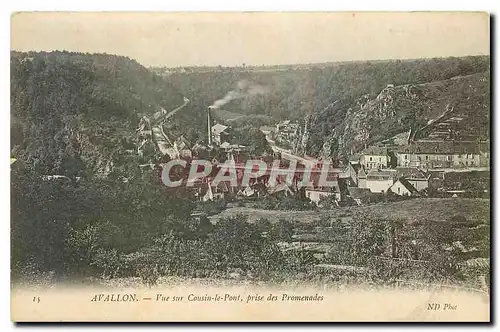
[282,231]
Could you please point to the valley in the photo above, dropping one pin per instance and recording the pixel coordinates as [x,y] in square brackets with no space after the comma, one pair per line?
[408,141]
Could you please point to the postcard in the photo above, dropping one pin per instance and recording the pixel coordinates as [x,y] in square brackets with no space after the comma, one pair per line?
[250,167]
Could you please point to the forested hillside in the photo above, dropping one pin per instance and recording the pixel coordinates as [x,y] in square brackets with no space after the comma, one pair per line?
[76,114]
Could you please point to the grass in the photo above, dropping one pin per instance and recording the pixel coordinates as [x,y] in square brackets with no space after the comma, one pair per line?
[424,209]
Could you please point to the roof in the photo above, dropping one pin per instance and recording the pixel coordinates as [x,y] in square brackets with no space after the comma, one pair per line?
[182,142]
[381,174]
[411,173]
[218,128]
[354,157]
[375,151]
[442,147]
[407,185]
[355,166]
[359,193]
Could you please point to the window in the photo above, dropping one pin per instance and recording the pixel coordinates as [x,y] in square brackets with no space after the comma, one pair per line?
[406,156]
[450,158]
[370,158]
[426,157]
[399,190]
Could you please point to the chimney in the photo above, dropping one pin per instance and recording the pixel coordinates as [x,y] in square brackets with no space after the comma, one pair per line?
[209,127]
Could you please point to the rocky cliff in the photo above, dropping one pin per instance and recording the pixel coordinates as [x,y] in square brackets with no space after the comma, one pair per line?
[397,109]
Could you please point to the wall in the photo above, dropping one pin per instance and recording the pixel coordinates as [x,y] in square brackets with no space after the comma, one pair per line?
[315,196]
[377,161]
[431,160]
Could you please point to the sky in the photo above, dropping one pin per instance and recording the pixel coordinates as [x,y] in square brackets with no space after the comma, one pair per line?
[233,39]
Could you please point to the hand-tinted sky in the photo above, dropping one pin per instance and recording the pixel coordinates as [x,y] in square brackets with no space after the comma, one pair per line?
[228,39]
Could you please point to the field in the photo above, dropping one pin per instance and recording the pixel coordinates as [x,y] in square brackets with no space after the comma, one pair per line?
[427,241]
[425,209]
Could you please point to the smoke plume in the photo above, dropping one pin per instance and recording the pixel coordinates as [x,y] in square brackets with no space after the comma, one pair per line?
[244,89]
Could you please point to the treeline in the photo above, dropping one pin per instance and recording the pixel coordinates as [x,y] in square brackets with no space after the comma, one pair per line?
[295,93]
[71,113]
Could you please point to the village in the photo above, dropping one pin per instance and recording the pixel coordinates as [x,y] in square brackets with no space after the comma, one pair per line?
[435,166]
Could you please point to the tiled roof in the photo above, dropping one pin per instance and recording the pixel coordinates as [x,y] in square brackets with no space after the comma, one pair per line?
[385,174]
[410,173]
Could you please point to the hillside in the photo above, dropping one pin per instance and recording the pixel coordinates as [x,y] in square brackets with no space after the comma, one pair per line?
[76,114]
[295,91]
[475,210]
[347,103]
